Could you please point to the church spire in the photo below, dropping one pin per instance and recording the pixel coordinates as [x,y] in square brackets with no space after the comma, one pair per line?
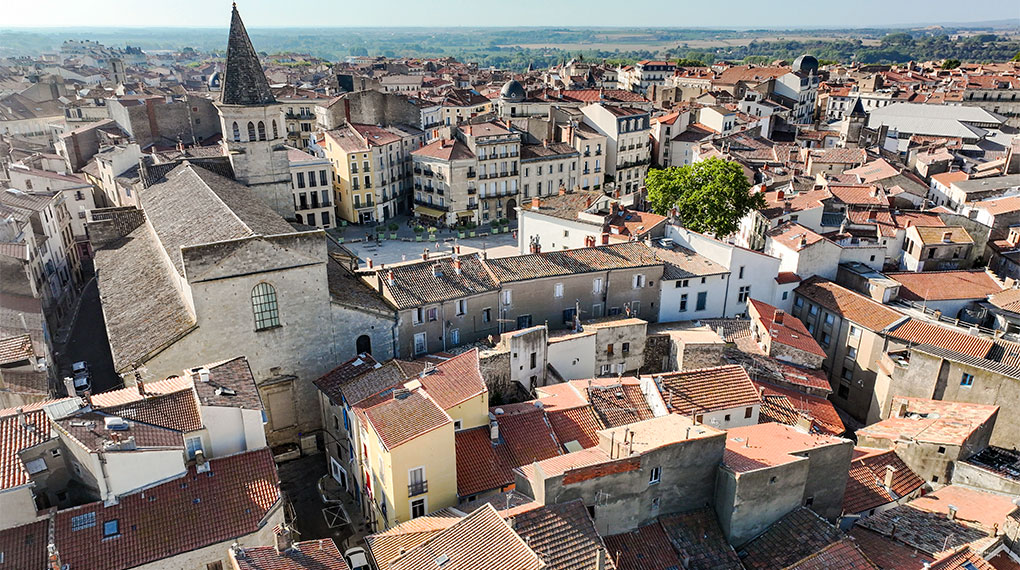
[244,82]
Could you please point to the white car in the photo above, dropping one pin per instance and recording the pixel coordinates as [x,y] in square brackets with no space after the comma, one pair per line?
[357,559]
[82,377]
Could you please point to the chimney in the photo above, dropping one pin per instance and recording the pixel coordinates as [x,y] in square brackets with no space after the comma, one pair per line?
[890,471]
[283,538]
[778,317]
[436,270]
[21,417]
[587,202]
[872,214]
[780,195]
[389,278]
[910,223]
[563,190]
[874,191]
[545,143]
[141,388]
[203,374]
[425,254]
[494,430]
[369,261]
[605,238]
[600,559]
[947,237]
[456,266]
[902,412]
[536,203]
[951,515]
[803,241]
[69,385]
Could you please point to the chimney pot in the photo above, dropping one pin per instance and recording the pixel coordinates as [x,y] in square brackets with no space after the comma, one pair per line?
[951,515]
[456,266]
[778,318]
[425,254]
[890,471]
[141,388]
[536,203]
[369,261]
[203,374]
[389,278]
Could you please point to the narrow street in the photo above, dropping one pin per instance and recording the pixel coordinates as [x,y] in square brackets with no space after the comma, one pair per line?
[88,342]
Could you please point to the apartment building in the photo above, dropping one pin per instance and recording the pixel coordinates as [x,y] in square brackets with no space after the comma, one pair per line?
[547,168]
[498,152]
[627,130]
[299,114]
[372,167]
[311,180]
[398,470]
[445,187]
[645,75]
[591,145]
[459,105]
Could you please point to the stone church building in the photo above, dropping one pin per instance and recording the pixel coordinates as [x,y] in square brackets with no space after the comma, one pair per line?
[209,268]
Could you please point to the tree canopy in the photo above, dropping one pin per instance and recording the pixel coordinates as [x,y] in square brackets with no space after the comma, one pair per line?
[710,196]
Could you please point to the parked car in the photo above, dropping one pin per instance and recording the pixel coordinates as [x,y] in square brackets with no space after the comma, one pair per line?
[357,559]
[82,377]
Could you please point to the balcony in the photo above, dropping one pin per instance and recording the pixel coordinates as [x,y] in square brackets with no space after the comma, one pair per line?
[471,174]
[417,170]
[426,204]
[427,172]
[417,488]
[472,191]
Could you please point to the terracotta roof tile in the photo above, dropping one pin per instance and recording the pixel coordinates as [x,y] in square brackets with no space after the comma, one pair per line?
[791,332]
[619,403]
[15,438]
[859,194]
[331,382]
[931,533]
[480,465]
[962,559]
[480,541]
[937,421]
[806,377]
[789,540]
[865,489]
[945,285]
[793,405]
[563,535]
[696,535]
[647,548]
[765,445]
[528,436]
[399,418]
[454,381]
[888,554]
[916,331]
[842,555]
[576,424]
[707,389]
[936,235]
[25,546]
[225,503]
[974,508]
[16,349]
[308,555]
[174,410]
[848,304]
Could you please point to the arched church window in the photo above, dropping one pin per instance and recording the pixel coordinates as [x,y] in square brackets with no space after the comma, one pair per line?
[276,133]
[237,132]
[251,131]
[262,131]
[263,303]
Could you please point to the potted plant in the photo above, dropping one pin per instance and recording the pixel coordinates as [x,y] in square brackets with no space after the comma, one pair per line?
[418,230]
[471,228]
[393,227]
[432,233]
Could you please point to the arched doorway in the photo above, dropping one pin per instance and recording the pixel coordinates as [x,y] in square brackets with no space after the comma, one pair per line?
[511,209]
[364,344]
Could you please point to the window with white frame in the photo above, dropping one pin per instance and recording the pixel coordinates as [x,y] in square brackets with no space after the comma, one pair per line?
[558,290]
[462,307]
[655,476]
[265,307]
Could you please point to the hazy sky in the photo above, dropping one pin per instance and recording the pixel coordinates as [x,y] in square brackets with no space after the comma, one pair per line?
[659,13]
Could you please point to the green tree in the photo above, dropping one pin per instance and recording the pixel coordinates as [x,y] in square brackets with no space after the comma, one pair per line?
[950,64]
[710,196]
[688,62]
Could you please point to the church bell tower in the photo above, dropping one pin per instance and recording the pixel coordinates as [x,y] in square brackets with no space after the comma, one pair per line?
[252,123]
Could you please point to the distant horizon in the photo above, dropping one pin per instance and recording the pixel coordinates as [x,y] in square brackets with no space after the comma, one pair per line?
[439,14]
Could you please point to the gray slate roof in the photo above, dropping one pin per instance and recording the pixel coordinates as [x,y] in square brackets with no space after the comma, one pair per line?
[195,206]
[244,82]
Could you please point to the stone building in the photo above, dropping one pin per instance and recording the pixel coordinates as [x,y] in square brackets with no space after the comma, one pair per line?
[175,291]
[313,189]
[782,337]
[628,149]
[253,124]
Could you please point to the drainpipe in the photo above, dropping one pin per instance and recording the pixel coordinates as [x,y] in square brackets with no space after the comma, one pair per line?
[726,293]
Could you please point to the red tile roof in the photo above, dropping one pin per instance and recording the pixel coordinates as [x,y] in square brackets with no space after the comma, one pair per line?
[528,436]
[576,424]
[647,548]
[445,149]
[848,304]
[707,389]
[820,411]
[480,465]
[888,553]
[974,508]
[15,438]
[563,535]
[176,411]
[789,540]
[480,541]
[331,382]
[791,332]
[755,447]
[308,555]
[936,421]
[25,546]
[619,402]
[697,535]
[859,194]
[916,331]
[804,376]
[841,555]
[962,559]
[865,489]
[785,277]
[945,285]
[455,380]
[16,349]
[400,417]
[227,502]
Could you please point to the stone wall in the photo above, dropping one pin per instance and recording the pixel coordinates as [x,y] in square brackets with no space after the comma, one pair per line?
[106,225]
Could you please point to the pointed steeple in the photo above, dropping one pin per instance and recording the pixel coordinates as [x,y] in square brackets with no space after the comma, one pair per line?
[244,82]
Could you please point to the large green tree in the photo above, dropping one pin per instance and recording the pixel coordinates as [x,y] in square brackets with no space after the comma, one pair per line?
[710,196]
